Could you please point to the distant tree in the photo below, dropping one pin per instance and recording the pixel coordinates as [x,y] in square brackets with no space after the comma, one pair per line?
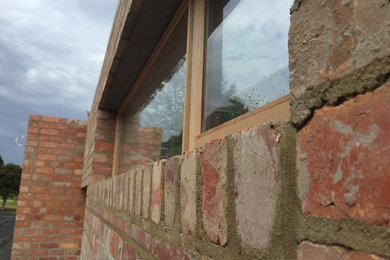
[1,162]
[9,181]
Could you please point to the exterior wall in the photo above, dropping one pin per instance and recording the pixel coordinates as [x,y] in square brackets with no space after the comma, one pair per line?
[340,67]
[99,147]
[202,204]
[51,204]
[313,187]
[138,145]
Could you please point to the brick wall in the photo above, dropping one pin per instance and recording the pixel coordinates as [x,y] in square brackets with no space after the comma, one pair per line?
[201,204]
[138,145]
[313,187]
[99,147]
[51,204]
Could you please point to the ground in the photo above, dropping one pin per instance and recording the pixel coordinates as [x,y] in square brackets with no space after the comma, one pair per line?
[7,221]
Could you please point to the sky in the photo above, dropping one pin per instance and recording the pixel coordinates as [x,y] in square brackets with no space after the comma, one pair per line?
[51,54]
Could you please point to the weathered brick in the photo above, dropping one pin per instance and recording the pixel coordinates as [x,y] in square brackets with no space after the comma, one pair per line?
[164,250]
[172,171]
[49,132]
[157,191]
[143,238]
[256,176]
[46,157]
[214,201]
[116,244]
[138,192]
[128,253]
[49,119]
[126,180]
[332,38]
[147,179]
[69,245]
[188,214]
[121,191]
[132,176]
[104,147]
[343,160]
[309,251]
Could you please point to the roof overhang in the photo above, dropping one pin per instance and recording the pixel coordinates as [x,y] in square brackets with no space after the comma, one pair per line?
[137,28]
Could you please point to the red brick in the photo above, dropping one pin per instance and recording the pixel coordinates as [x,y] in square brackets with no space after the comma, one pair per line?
[40,238]
[157,191]
[256,184]
[70,231]
[39,163]
[143,238]
[50,119]
[214,202]
[69,245]
[32,130]
[115,244]
[172,171]
[309,251]
[44,170]
[128,253]
[147,179]
[165,251]
[52,217]
[104,147]
[138,192]
[46,157]
[132,176]
[34,118]
[20,239]
[188,199]
[82,134]
[47,144]
[23,189]
[49,132]
[48,245]
[343,160]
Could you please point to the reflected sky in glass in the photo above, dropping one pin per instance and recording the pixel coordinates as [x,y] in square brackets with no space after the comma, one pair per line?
[247,56]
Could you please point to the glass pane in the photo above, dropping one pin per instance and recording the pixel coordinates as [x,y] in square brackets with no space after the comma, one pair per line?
[152,123]
[246,62]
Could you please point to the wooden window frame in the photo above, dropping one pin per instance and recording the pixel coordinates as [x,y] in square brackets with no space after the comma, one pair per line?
[193,136]
[192,115]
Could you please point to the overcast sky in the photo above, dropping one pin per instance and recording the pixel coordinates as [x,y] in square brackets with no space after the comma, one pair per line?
[51,54]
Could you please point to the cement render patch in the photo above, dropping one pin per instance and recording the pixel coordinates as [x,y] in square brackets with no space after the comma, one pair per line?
[329,39]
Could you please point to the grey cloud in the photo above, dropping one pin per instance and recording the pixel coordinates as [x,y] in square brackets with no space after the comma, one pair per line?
[51,54]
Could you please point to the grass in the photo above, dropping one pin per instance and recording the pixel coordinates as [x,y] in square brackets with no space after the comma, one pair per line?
[10,206]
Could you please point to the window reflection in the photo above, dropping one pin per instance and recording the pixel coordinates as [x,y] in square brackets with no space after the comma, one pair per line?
[246,62]
[152,123]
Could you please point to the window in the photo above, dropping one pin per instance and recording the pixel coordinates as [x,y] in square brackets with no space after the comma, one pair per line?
[151,124]
[220,67]
[246,58]
[238,58]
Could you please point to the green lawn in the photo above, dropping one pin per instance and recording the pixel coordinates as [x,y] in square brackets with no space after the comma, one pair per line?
[10,205]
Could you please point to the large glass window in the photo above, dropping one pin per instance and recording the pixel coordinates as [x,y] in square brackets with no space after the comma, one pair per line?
[246,57]
[151,126]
